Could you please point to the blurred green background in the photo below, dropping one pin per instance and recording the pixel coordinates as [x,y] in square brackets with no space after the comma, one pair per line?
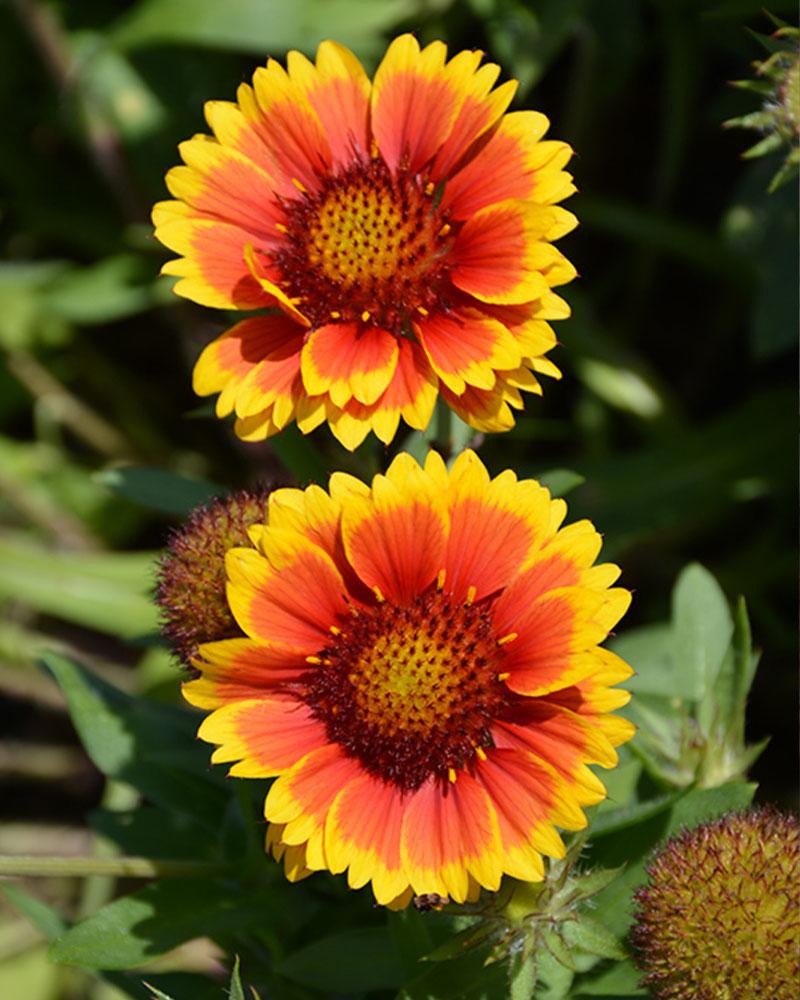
[676,411]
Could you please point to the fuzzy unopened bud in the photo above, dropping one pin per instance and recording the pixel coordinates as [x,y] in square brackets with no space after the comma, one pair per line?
[191,574]
[719,918]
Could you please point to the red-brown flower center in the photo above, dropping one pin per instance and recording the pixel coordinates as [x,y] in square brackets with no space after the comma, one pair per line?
[411,691]
[370,245]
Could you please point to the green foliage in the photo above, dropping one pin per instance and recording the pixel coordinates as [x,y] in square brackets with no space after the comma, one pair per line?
[692,685]
[157,489]
[350,962]
[258,26]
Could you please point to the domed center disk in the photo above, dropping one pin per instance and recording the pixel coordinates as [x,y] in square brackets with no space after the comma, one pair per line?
[411,691]
[369,243]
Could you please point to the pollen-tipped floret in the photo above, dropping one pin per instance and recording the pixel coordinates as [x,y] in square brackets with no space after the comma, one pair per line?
[191,575]
[719,918]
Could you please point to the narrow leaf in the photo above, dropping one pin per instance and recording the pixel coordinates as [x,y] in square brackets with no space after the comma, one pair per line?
[158,489]
[590,935]
[235,991]
[44,918]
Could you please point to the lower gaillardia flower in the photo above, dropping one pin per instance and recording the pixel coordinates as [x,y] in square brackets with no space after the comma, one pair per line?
[422,674]
[401,231]
[719,918]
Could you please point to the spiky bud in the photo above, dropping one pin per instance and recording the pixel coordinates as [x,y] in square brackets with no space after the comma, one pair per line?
[777,82]
[719,918]
[191,575]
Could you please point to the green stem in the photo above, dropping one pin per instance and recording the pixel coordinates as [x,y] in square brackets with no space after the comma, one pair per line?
[444,428]
[31,864]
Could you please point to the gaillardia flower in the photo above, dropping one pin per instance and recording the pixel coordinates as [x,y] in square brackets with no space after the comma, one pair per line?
[400,231]
[421,673]
[719,918]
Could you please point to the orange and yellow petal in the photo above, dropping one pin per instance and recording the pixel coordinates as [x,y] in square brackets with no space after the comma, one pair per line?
[514,163]
[414,103]
[362,835]
[504,510]
[595,694]
[301,798]
[480,109]
[529,799]
[411,396]
[289,592]
[395,539]
[338,90]
[236,669]
[487,410]
[467,348]
[262,271]
[225,364]
[349,360]
[292,855]
[288,124]
[449,835]
[212,268]
[265,736]
[222,184]
[500,253]
[559,736]
[556,636]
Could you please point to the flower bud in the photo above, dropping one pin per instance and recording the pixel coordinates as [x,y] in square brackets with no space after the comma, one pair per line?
[720,915]
[191,574]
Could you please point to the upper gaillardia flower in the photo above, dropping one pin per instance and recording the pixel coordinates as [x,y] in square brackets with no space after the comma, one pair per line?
[400,230]
[421,673]
[719,918]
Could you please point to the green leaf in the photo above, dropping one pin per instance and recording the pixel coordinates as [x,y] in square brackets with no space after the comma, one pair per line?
[235,991]
[464,978]
[260,26]
[590,935]
[560,482]
[559,949]
[649,650]
[555,978]
[138,928]
[44,918]
[590,883]
[613,906]
[109,81]
[148,831]
[722,713]
[158,489]
[620,980]
[103,292]
[702,630]
[352,961]
[148,745]
[614,820]
[621,783]
[464,941]
[621,386]
[107,591]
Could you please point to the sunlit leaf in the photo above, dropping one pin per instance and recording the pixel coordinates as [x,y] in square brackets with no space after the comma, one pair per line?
[702,627]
